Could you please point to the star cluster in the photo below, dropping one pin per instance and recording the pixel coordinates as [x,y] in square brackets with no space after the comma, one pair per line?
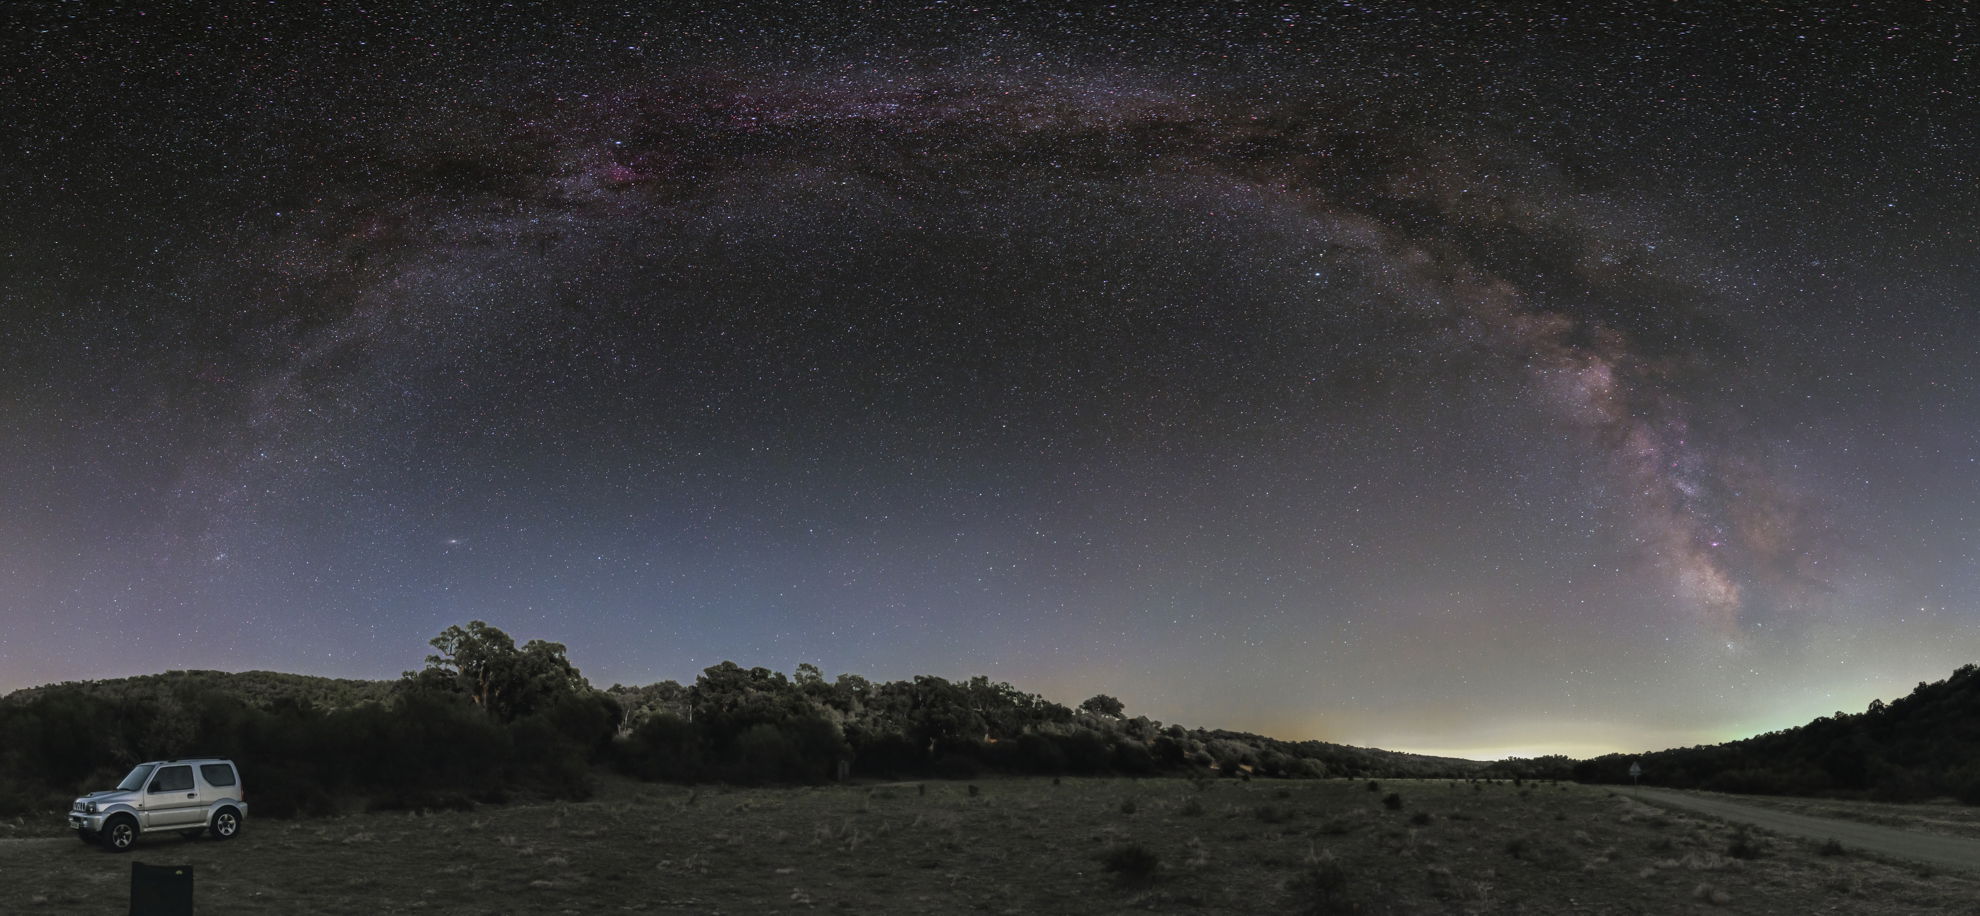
[1446,380]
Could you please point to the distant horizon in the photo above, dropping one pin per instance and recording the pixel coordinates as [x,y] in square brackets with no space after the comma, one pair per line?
[1485,755]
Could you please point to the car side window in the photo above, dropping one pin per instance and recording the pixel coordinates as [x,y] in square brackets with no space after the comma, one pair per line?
[172,779]
[217,774]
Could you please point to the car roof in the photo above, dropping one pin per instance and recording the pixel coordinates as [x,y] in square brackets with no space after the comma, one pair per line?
[192,760]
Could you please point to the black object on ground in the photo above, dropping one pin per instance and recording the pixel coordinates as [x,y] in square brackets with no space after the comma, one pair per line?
[161,890]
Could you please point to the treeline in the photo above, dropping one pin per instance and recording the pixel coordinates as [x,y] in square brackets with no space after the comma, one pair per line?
[418,749]
[1923,746]
[487,720]
[742,725]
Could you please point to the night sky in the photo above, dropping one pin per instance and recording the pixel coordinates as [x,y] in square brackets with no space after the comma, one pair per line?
[1455,380]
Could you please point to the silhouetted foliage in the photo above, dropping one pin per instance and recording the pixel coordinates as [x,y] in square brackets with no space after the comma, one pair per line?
[1103,705]
[1924,745]
[484,663]
[486,720]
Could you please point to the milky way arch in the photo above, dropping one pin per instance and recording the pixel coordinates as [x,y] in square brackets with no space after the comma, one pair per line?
[1505,263]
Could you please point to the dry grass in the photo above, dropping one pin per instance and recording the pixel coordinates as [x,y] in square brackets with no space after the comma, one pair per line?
[1018,846]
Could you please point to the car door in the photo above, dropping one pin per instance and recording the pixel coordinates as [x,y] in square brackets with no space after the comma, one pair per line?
[172,800]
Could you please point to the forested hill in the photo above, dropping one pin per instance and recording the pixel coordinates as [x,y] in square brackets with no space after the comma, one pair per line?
[260,689]
[1345,759]
[269,689]
[1925,745]
[488,719]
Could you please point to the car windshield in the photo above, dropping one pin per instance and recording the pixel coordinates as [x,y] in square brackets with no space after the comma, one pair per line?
[135,781]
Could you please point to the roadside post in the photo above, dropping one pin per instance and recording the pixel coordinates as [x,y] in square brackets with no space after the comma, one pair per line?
[1635,770]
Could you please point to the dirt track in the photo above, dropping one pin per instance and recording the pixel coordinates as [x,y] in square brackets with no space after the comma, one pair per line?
[1944,851]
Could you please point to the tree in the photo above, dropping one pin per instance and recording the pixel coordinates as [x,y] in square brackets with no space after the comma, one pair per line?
[1103,705]
[504,681]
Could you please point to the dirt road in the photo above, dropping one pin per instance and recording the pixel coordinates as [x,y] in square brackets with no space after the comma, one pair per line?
[1944,851]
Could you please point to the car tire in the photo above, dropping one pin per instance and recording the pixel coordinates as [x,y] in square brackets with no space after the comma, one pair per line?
[226,823]
[120,833]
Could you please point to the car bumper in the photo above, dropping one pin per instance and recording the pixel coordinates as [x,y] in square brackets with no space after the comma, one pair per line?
[87,823]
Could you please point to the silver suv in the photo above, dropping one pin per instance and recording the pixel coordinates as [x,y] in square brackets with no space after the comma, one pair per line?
[193,796]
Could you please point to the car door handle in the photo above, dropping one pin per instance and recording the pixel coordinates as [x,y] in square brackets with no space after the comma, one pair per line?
[192,794]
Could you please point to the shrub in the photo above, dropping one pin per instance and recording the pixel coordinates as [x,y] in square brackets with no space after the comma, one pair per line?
[1831,848]
[1127,806]
[957,766]
[1037,753]
[664,747]
[1420,818]
[763,753]
[1323,889]
[1742,846]
[1272,814]
[1392,801]
[1193,807]
[1133,759]
[1131,863]
[1086,753]
[1374,786]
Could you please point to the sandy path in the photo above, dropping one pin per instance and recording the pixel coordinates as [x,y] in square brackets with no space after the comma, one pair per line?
[1945,851]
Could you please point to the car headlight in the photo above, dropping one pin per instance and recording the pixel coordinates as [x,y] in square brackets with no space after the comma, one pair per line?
[91,807]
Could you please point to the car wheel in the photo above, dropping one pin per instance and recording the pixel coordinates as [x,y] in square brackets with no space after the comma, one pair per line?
[121,834]
[226,823]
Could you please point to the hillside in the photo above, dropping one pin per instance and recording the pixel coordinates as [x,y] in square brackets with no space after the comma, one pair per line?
[1924,745]
[260,689]
[488,719]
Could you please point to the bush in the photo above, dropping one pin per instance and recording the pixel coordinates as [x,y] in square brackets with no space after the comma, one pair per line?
[889,755]
[763,753]
[1322,890]
[1420,818]
[1086,753]
[1133,759]
[1193,807]
[1272,814]
[663,748]
[1036,753]
[1131,863]
[420,800]
[1374,786]
[957,766]
[1392,801]
[1742,846]
[1831,848]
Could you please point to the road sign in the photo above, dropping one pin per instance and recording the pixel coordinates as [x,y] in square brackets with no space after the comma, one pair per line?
[1635,770]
